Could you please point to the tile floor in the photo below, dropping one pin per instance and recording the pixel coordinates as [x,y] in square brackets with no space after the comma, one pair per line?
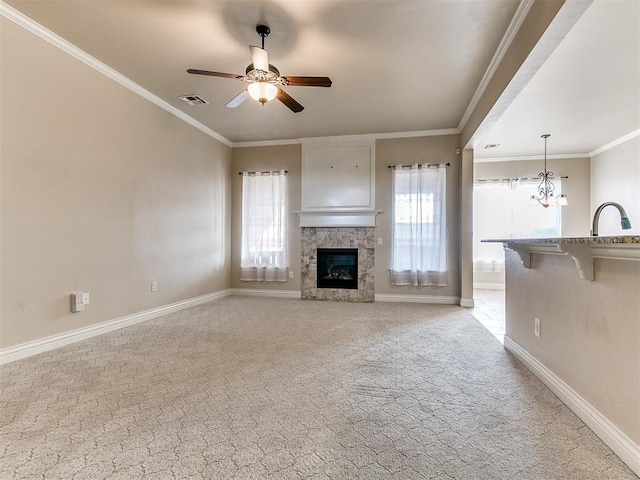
[261,388]
[489,311]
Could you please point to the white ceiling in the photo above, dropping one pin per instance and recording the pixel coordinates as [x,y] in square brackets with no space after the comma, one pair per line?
[586,94]
[396,65]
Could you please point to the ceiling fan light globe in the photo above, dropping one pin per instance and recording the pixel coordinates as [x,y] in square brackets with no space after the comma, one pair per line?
[262,92]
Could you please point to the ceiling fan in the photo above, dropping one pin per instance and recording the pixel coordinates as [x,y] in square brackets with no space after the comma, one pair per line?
[264,79]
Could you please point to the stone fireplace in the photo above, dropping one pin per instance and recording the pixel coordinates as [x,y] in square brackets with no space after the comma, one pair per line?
[356,239]
[338,213]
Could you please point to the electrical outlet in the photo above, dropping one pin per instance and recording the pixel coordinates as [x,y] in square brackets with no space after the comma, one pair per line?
[536,327]
[290,274]
[76,302]
[380,241]
[154,286]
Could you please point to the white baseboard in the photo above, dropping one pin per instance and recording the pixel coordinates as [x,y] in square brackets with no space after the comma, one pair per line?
[467,302]
[253,292]
[623,446]
[488,286]
[11,354]
[392,297]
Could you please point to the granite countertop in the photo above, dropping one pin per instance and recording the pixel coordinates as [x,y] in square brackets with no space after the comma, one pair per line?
[579,240]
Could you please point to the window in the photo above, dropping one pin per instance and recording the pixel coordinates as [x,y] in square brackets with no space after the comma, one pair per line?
[264,227]
[419,255]
[501,210]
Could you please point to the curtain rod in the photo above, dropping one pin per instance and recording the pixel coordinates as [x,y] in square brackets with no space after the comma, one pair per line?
[429,165]
[495,180]
[265,171]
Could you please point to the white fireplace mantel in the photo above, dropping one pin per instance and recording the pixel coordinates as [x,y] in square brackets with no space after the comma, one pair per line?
[338,218]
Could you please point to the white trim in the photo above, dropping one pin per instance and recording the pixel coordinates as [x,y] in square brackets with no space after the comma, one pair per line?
[434,299]
[348,138]
[52,342]
[419,133]
[488,286]
[338,218]
[505,43]
[252,292]
[623,446]
[530,157]
[591,154]
[615,143]
[378,136]
[267,143]
[67,47]
[467,302]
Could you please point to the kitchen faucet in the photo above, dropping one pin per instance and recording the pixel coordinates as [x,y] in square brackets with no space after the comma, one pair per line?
[624,219]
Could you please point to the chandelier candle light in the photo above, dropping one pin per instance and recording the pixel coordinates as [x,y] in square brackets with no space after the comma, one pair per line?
[546,188]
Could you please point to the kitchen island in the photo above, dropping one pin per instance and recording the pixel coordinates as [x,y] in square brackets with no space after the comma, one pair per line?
[584,294]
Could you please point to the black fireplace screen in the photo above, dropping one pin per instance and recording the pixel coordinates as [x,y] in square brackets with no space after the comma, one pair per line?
[338,268]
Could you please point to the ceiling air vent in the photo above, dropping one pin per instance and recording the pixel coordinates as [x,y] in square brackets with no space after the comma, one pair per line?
[193,99]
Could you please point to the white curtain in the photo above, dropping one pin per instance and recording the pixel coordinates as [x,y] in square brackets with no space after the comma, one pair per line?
[264,227]
[419,254]
[501,210]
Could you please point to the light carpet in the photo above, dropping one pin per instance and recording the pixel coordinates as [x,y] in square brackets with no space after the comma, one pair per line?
[256,388]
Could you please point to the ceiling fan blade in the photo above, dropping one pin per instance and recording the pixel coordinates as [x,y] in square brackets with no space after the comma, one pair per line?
[259,58]
[288,100]
[238,99]
[215,74]
[307,81]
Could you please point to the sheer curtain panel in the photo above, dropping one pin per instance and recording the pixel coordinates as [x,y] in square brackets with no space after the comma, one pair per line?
[501,210]
[264,227]
[419,254]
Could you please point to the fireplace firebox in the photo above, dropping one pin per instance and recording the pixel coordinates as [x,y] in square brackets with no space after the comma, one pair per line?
[337,268]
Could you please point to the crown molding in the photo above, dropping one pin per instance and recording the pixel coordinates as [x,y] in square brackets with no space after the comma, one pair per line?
[57,41]
[505,43]
[54,39]
[530,157]
[593,153]
[615,143]
[418,133]
[266,143]
[349,138]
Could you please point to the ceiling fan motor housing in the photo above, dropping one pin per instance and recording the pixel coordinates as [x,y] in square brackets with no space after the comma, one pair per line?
[259,76]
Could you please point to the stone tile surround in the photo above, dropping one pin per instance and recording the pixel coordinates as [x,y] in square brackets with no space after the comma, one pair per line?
[362,238]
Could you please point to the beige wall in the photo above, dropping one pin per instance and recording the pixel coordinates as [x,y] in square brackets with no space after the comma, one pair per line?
[575,216]
[589,333]
[440,149]
[101,192]
[388,152]
[287,157]
[615,177]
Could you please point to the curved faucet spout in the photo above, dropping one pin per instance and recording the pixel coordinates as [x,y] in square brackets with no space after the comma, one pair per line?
[624,219]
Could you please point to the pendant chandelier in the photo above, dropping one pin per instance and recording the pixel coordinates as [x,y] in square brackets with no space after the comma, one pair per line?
[546,188]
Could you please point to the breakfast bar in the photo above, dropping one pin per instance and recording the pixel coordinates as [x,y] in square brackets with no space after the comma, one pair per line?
[573,319]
